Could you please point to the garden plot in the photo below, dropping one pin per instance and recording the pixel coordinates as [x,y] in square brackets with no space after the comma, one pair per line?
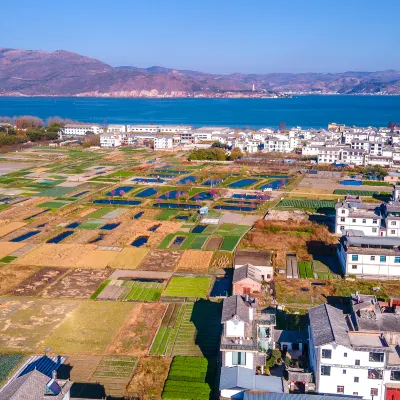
[78,369]
[189,329]
[97,259]
[114,373]
[214,243]
[57,191]
[89,329]
[77,284]
[8,363]
[38,281]
[194,261]
[178,286]
[146,290]
[60,255]
[25,323]
[190,377]
[129,258]
[137,333]
[160,260]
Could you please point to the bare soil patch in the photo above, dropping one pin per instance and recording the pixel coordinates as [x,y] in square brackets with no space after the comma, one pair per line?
[214,243]
[36,282]
[161,260]
[137,333]
[97,259]
[195,261]
[7,248]
[10,227]
[77,284]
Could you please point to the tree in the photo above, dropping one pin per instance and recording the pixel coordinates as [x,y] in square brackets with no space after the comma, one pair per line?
[28,121]
[391,125]
[235,154]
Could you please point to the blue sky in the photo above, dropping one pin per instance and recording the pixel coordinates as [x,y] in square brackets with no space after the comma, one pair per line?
[220,36]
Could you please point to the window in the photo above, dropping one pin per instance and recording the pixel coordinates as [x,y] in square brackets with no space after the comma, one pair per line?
[325,370]
[372,258]
[344,372]
[376,357]
[343,211]
[382,258]
[342,219]
[354,257]
[355,393]
[397,259]
[364,221]
[354,267]
[375,374]
[353,220]
[374,221]
[374,230]
[345,355]
[395,375]
[374,391]
[392,222]
[357,362]
[326,353]
[392,231]
[342,228]
[340,389]
[239,358]
[356,379]
[295,346]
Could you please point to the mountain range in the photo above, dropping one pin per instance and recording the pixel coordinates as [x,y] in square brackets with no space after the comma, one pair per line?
[63,73]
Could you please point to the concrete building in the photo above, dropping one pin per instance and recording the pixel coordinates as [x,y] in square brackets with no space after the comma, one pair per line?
[110,140]
[114,128]
[80,129]
[163,142]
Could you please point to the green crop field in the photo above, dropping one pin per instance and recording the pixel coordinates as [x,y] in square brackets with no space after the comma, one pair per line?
[230,243]
[305,270]
[8,363]
[57,191]
[141,291]
[99,213]
[53,204]
[307,204]
[187,287]
[166,215]
[356,192]
[190,378]
[191,329]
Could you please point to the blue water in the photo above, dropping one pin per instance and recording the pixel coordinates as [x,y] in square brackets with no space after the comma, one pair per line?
[60,237]
[110,227]
[173,194]
[120,191]
[182,217]
[220,287]
[140,241]
[118,202]
[176,205]
[147,180]
[306,111]
[25,236]
[73,225]
[234,208]
[97,238]
[263,196]
[80,193]
[275,185]
[202,196]
[147,192]
[154,228]
[212,182]
[138,215]
[199,228]
[187,179]
[242,183]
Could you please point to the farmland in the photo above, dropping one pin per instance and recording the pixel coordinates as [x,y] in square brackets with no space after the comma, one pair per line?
[8,362]
[308,204]
[187,287]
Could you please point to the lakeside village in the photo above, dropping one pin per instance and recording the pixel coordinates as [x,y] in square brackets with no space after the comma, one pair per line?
[143,268]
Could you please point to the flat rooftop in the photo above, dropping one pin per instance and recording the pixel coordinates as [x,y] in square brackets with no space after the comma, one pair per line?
[253,257]
[367,340]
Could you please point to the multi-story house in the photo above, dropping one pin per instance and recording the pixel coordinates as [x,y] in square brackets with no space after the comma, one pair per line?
[110,140]
[163,142]
[247,336]
[370,256]
[115,128]
[346,362]
[329,155]
[354,215]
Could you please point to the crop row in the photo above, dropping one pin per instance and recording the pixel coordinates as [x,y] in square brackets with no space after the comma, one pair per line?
[306,203]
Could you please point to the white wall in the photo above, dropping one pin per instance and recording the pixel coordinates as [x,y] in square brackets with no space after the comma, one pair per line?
[234,330]
[229,357]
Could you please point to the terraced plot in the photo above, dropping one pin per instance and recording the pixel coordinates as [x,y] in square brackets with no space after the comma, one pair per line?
[187,287]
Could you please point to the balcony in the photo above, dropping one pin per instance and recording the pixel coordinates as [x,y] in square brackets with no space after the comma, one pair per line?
[375,374]
[228,343]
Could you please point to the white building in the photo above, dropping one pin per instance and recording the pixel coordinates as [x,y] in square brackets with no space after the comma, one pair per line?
[346,362]
[80,129]
[163,142]
[376,257]
[114,128]
[110,140]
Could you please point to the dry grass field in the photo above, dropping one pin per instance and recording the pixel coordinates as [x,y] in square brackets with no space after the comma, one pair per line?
[10,227]
[161,260]
[129,258]
[7,248]
[12,275]
[24,324]
[195,261]
[90,328]
[97,259]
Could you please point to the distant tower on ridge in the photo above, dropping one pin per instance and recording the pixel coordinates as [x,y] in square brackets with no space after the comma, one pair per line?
[254,88]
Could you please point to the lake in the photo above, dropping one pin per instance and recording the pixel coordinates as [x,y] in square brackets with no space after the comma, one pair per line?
[305,111]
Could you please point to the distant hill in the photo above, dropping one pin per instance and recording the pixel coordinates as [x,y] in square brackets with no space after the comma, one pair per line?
[62,73]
